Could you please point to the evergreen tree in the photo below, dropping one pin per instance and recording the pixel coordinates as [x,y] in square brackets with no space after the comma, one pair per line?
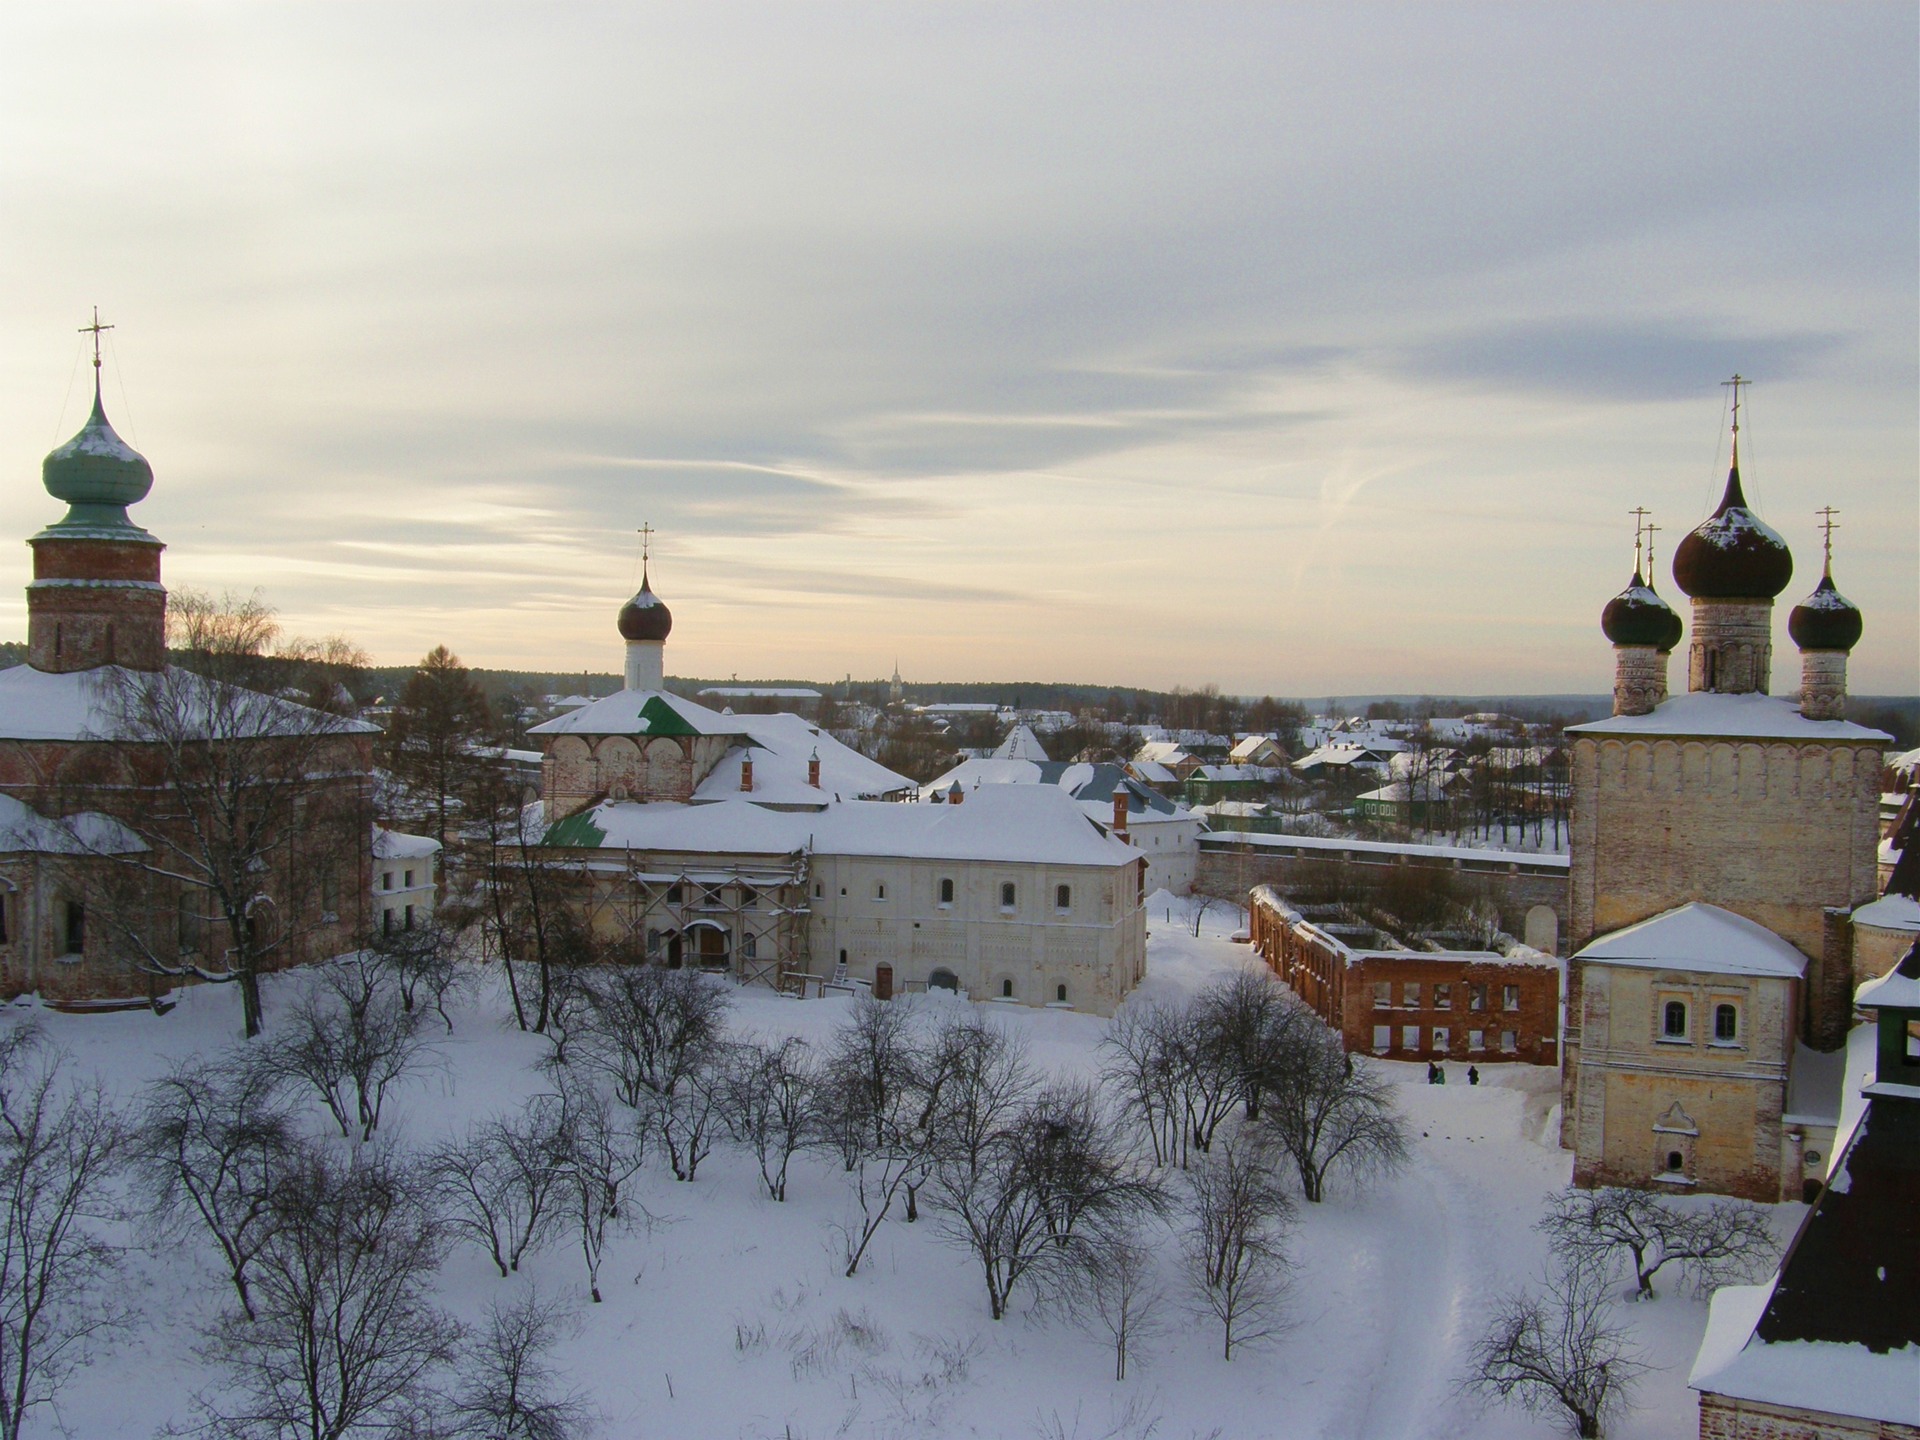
[440,715]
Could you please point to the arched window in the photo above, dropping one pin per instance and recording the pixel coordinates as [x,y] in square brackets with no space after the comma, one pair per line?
[1726,1023]
[1676,1161]
[946,892]
[1063,897]
[1060,993]
[1673,1020]
[1007,896]
[1006,989]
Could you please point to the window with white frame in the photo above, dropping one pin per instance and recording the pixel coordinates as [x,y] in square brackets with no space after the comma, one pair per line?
[1382,1039]
[1726,1024]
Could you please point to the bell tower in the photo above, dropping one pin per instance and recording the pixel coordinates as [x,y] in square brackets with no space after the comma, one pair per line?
[96,597]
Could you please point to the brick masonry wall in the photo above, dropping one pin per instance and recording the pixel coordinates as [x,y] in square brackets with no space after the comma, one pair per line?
[1724,1418]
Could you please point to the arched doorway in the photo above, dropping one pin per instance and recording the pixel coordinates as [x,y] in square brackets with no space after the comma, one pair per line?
[712,945]
[943,980]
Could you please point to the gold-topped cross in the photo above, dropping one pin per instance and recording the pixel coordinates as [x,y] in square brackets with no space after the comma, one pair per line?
[1828,525]
[646,540]
[94,329]
[1736,382]
[1639,513]
[1651,527]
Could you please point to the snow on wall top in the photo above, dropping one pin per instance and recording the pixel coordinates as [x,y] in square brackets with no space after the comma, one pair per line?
[24,829]
[1754,717]
[1387,847]
[1699,937]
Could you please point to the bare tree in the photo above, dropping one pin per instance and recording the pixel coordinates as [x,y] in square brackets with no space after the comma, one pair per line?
[351,1033]
[211,1143]
[259,817]
[875,1106]
[60,1145]
[1114,1291]
[1140,1074]
[438,719]
[1235,1244]
[508,1388]
[974,1078]
[1715,1244]
[501,1186]
[528,924]
[600,1157]
[1328,1112]
[1042,1190]
[1558,1350]
[1250,1022]
[424,962]
[347,1340]
[656,1035]
[770,1094]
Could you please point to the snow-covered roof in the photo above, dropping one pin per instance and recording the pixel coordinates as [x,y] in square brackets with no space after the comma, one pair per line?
[1802,1374]
[1462,853]
[781,748]
[1907,762]
[1093,784]
[1890,912]
[397,845]
[761,692]
[94,705]
[1754,717]
[1898,989]
[1152,772]
[1021,744]
[25,830]
[1699,937]
[642,712]
[1018,823]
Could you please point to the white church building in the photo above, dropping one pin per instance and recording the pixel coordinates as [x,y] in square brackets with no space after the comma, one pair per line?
[761,846]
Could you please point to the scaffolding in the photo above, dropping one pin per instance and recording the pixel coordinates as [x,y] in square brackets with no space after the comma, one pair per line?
[748,918]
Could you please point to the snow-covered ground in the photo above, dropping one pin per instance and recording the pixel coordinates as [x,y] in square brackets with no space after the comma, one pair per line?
[730,1317]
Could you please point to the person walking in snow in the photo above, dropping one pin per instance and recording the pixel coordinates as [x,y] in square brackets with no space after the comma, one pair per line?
[1473,1074]
[1439,1074]
[1432,1070]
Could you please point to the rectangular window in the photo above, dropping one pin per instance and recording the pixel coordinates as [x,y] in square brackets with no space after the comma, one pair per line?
[946,892]
[386,922]
[1410,995]
[1509,1041]
[386,880]
[1443,997]
[654,939]
[1382,1039]
[1409,1037]
[674,894]
[1008,895]
[1476,1040]
[1509,997]
[1476,997]
[409,879]
[1383,994]
[76,928]
[817,892]
[750,947]
[409,924]
[1063,897]
[748,899]
[1442,1039]
[3,920]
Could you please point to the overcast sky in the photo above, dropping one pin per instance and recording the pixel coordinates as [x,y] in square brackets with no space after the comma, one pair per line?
[1299,349]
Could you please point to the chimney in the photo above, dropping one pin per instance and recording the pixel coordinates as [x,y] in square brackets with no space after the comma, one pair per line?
[813,770]
[1120,811]
[746,772]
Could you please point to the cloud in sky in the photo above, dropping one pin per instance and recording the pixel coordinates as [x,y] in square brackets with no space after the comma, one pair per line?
[1295,348]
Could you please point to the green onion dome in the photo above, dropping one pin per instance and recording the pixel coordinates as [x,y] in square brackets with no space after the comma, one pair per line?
[97,470]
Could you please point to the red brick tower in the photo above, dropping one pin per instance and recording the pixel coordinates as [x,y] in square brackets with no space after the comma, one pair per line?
[96,597]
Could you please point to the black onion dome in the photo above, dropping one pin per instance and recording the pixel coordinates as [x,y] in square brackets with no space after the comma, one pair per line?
[1733,556]
[1638,616]
[1825,620]
[644,617]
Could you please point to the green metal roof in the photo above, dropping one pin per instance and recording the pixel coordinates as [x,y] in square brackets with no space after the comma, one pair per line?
[576,831]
